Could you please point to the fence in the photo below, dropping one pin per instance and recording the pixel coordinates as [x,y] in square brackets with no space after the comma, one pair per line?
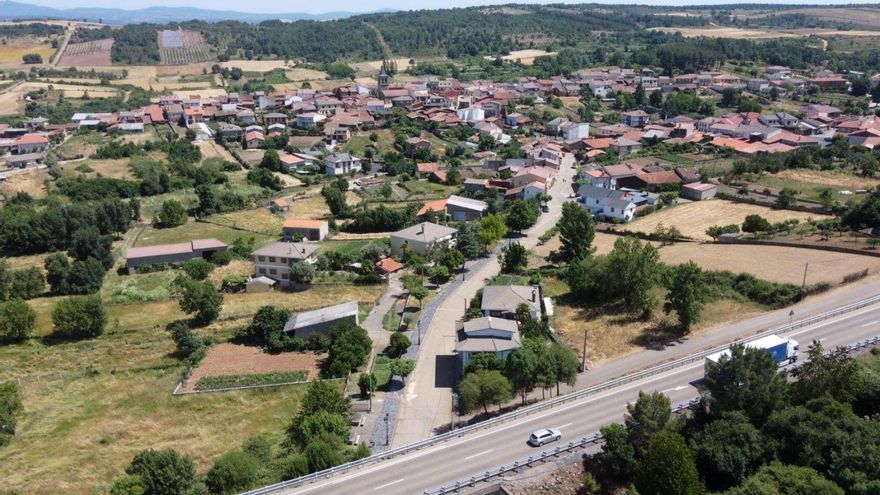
[542,406]
[592,439]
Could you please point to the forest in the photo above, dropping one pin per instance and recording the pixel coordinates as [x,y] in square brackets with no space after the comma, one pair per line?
[35,29]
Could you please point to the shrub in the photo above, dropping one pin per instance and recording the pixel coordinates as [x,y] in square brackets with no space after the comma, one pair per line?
[79,317]
[398,346]
[232,473]
[197,269]
[17,320]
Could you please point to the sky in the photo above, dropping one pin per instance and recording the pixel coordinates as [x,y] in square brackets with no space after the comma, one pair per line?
[313,7]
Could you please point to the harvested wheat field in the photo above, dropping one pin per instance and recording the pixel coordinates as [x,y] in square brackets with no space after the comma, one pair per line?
[14,49]
[692,219]
[256,65]
[829,179]
[726,32]
[774,263]
[210,149]
[526,57]
[233,359]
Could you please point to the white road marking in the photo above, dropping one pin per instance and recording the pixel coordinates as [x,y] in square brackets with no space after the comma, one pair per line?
[566,424]
[676,389]
[871,323]
[478,455]
[386,485]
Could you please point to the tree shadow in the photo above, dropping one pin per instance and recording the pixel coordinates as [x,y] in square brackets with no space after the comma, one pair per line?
[659,336]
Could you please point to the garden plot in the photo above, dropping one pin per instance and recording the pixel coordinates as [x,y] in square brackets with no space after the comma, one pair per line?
[181,47]
[232,365]
[88,54]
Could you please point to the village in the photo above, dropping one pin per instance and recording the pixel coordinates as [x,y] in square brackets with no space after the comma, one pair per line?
[316,212]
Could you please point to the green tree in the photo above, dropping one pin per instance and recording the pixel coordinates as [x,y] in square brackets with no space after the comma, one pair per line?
[521,215]
[835,374]
[233,472]
[320,425]
[728,450]
[521,368]
[754,224]
[79,317]
[467,242]
[492,229]
[639,95]
[271,161]
[482,389]
[686,293]
[566,364]
[576,232]
[514,258]
[668,468]
[186,341]
[172,214]
[789,480]
[197,269]
[128,485]
[402,367]
[302,272]
[57,268]
[656,99]
[618,456]
[27,283]
[349,350]
[452,259]
[747,380]
[419,293]
[10,409]
[481,361]
[635,266]
[17,320]
[398,346]
[163,472]
[321,454]
[367,384]
[717,231]
[199,299]
[646,417]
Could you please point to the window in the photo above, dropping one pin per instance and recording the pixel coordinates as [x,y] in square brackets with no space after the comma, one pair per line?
[261,258]
[284,276]
[262,271]
[612,210]
[271,259]
[273,271]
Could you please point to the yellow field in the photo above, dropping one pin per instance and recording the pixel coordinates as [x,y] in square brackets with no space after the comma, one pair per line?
[30,181]
[305,74]
[257,65]
[11,53]
[692,219]
[726,32]
[526,57]
[210,149]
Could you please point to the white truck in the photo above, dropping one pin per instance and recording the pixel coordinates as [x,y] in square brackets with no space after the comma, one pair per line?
[784,351]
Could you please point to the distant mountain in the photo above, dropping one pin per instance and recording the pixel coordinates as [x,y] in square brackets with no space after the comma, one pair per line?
[160,15]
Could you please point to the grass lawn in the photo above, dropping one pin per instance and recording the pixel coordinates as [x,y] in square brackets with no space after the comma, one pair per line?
[428,190]
[197,230]
[382,371]
[256,220]
[344,247]
[80,144]
[91,405]
[811,183]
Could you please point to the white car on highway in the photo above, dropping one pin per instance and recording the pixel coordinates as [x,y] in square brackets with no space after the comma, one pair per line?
[544,435]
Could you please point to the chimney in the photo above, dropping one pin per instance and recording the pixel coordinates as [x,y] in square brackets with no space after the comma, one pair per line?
[534,295]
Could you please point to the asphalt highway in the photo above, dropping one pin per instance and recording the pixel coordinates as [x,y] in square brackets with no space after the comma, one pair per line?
[479,451]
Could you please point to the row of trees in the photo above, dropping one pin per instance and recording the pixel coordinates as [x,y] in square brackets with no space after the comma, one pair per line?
[753,432]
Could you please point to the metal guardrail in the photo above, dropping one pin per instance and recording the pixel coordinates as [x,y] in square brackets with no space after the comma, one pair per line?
[583,442]
[562,399]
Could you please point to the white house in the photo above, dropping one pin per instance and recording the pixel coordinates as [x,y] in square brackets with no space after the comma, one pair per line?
[422,237]
[341,163]
[275,259]
[498,336]
[608,203]
[573,131]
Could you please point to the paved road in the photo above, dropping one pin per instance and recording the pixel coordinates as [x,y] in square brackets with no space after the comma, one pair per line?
[476,452]
[427,400]
[63,46]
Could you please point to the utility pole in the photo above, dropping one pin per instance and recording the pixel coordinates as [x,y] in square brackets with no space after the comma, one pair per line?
[418,332]
[584,358]
[790,318]
[387,434]
[806,266]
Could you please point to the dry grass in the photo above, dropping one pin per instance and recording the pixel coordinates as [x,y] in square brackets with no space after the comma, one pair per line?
[829,179]
[233,359]
[614,332]
[257,65]
[12,52]
[305,74]
[241,268]
[195,230]
[726,32]
[29,181]
[210,149]
[526,57]
[773,263]
[117,169]
[238,308]
[692,219]
[256,220]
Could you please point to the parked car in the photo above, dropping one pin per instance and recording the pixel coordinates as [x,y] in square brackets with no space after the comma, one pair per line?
[544,435]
